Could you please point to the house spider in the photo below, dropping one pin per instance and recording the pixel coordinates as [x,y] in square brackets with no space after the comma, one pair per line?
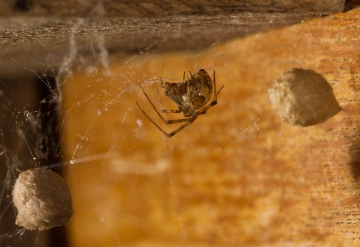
[193,97]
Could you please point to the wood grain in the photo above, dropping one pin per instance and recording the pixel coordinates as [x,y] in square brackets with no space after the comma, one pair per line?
[237,176]
[42,30]
[161,8]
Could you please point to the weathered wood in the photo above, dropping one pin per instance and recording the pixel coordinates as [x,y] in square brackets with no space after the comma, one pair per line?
[161,8]
[36,35]
[237,176]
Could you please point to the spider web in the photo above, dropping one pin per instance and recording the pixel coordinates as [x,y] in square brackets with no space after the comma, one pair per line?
[35,113]
[32,122]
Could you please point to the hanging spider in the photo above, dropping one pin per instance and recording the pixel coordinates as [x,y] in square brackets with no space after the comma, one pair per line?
[193,97]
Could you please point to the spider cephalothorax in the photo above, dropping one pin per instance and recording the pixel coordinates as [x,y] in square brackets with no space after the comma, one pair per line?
[192,97]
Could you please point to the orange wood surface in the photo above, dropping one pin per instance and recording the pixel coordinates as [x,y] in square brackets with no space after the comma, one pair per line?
[237,176]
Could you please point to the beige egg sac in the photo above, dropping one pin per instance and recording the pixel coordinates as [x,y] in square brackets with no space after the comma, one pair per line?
[42,199]
[303,97]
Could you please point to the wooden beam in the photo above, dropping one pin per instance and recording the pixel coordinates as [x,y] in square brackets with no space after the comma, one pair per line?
[238,175]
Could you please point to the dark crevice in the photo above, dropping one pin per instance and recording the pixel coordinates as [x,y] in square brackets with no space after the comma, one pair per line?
[48,145]
[351,4]
[23,5]
[29,128]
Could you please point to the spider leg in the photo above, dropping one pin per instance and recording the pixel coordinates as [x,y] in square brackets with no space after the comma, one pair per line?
[162,83]
[203,111]
[158,113]
[219,90]
[178,129]
[188,89]
[216,93]
[188,122]
[214,102]
[161,106]
[214,80]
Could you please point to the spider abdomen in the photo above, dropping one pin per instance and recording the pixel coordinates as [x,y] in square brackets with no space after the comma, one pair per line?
[192,97]
[200,89]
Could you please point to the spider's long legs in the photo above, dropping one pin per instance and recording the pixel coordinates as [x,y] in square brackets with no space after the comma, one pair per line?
[219,90]
[216,93]
[162,83]
[157,126]
[203,111]
[214,102]
[178,129]
[158,113]
[189,121]
[161,106]
[214,84]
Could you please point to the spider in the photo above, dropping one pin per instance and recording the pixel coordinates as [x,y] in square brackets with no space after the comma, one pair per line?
[193,97]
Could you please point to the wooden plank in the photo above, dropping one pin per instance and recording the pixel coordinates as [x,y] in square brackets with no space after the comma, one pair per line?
[237,176]
[161,8]
[43,32]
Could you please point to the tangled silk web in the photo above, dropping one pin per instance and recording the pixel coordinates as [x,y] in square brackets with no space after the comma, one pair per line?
[31,126]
